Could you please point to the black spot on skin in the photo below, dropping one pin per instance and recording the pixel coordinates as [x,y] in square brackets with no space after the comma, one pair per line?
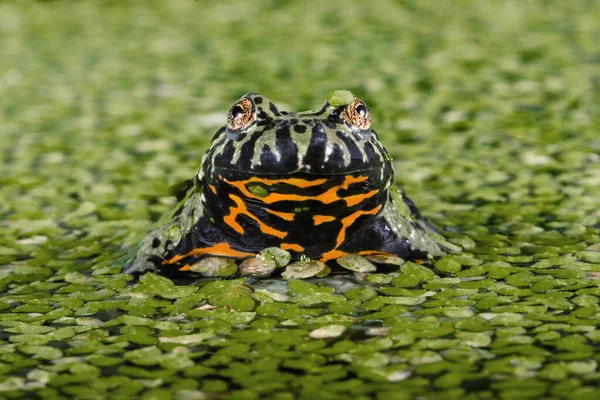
[270,125]
[258,100]
[286,148]
[227,153]
[369,151]
[261,114]
[331,124]
[317,126]
[300,128]
[356,159]
[315,154]
[336,158]
[267,157]
[274,109]
[155,243]
[335,114]
[293,121]
[247,152]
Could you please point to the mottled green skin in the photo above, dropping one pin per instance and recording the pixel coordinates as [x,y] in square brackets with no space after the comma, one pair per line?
[345,174]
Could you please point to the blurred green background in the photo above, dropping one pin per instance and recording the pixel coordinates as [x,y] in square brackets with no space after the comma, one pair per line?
[128,94]
[490,109]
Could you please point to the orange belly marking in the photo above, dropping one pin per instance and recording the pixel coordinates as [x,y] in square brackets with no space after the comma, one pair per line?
[321,219]
[219,249]
[346,223]
[240,208]
[282,215]
[291,246]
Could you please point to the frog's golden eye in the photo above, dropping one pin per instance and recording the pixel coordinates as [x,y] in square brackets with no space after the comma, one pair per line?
[358,115]
[241,115]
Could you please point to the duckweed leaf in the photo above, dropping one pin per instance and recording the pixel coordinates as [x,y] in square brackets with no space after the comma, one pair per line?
[259,267]
[281,257]
[302,269]
[214,267]
[43,352]
[328,331]
[160,286]
[354,262]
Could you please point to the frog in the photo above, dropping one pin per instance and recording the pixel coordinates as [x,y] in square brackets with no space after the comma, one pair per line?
[318,184]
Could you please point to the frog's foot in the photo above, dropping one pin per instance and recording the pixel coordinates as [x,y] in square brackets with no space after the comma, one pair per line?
[140,266]
[157,246]
[188,234]
[149,254]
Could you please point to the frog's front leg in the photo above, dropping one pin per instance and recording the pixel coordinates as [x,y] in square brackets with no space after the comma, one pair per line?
[188,235]
[402,231]
[153,249]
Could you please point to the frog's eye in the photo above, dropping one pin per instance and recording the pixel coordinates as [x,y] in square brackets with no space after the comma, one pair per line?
[241,115]
[358,115]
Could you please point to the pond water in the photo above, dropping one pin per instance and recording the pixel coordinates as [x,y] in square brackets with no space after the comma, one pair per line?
[490,110]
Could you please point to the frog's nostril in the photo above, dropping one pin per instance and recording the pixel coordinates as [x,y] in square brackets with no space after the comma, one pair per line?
[300,128]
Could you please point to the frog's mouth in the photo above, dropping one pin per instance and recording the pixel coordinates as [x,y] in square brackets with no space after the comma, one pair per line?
[300,169]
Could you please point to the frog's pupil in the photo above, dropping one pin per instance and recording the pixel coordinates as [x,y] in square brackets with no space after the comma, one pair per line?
[237,112]
[362,110]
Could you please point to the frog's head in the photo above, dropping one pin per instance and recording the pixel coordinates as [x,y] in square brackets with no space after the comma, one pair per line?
[259,139]
[269,170]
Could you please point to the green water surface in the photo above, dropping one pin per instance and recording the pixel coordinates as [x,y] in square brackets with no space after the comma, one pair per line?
[489,108]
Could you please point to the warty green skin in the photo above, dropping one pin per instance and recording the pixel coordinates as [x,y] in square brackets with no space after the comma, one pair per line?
[279,148]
